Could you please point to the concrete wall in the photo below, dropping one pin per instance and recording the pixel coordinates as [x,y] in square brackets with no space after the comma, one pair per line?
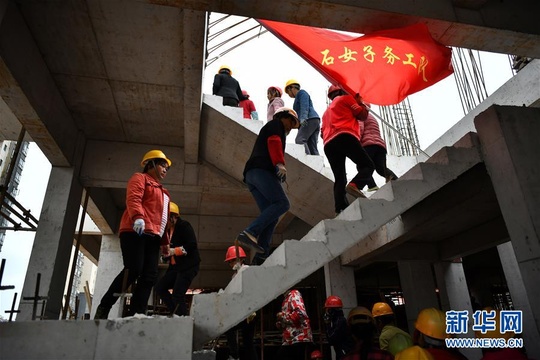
[129,338]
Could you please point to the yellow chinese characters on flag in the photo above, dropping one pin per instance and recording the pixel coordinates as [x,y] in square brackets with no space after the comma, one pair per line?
[384,67]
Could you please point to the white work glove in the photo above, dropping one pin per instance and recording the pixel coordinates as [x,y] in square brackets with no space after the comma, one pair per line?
[281,172]
[172,251]
[138,226]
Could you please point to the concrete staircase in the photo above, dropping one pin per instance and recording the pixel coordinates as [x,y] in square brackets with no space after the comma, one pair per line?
[294,260]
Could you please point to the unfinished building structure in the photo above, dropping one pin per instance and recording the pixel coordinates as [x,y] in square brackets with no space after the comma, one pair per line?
[94,82]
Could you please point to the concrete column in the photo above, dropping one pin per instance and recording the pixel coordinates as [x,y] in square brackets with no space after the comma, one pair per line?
[53,244]
[339,281]
[510,148]
[418,288]
[531,336]
[451,277]
[110,265]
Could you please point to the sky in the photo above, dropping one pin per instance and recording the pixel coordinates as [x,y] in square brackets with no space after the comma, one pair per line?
[260,63]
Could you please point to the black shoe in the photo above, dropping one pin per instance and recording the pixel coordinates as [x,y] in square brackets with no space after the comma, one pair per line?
[102,313]
[249,241]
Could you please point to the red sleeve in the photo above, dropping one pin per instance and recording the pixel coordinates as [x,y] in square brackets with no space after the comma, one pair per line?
[275,149]
[360,111]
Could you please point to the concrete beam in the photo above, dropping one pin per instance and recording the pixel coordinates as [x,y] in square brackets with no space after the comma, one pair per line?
[193,37]
[504,27]
[29,90]
[90,246]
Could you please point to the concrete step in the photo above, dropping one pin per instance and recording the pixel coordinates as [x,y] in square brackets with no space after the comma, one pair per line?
[293,260]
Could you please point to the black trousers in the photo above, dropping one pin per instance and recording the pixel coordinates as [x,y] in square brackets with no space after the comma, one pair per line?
[297,351]
[227,101]
[377,154]
[179,281]
[140,255]
[248,333]
[337,151]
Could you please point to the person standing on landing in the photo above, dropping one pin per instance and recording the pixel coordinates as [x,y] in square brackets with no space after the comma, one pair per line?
[264,172]
[310,122]
[227,87]
[141,230]
[184,259]
[341,138]
[274,101]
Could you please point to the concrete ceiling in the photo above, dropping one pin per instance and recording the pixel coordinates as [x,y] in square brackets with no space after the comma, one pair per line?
[96,83]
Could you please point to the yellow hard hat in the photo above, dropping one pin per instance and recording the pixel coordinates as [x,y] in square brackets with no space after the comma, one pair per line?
[359,315]
[381,308]
[291,82]
[432,322]
[154,154]
[490,334]
[414,352]
[173,209]
[225,67]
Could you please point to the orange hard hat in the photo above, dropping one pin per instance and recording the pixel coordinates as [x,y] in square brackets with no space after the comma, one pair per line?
[381,308]
[333,301]
[316,354]
[231,253]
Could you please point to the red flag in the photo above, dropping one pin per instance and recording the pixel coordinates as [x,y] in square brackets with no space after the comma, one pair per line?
[384,67]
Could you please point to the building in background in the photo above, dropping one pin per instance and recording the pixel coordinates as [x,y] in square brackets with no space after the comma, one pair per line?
[7,152]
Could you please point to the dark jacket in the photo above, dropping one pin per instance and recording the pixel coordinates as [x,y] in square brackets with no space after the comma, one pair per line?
[260,157]
[338,335]
[227,86]
[184,235]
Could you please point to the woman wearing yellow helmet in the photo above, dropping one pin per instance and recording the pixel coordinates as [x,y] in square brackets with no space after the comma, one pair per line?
[142,227]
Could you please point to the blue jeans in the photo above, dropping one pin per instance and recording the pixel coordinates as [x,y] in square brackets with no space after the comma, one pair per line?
[308,135]
[272,202]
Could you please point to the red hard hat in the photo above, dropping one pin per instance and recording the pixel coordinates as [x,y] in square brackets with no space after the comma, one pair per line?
[316,354]
[245,93]
[333,88]
[333,302]
[231,253]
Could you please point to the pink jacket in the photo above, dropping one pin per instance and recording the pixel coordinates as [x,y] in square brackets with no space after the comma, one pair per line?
[371,134]
[273,105]
[144,200]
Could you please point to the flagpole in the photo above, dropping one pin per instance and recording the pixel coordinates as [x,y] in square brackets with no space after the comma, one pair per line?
[398,132]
